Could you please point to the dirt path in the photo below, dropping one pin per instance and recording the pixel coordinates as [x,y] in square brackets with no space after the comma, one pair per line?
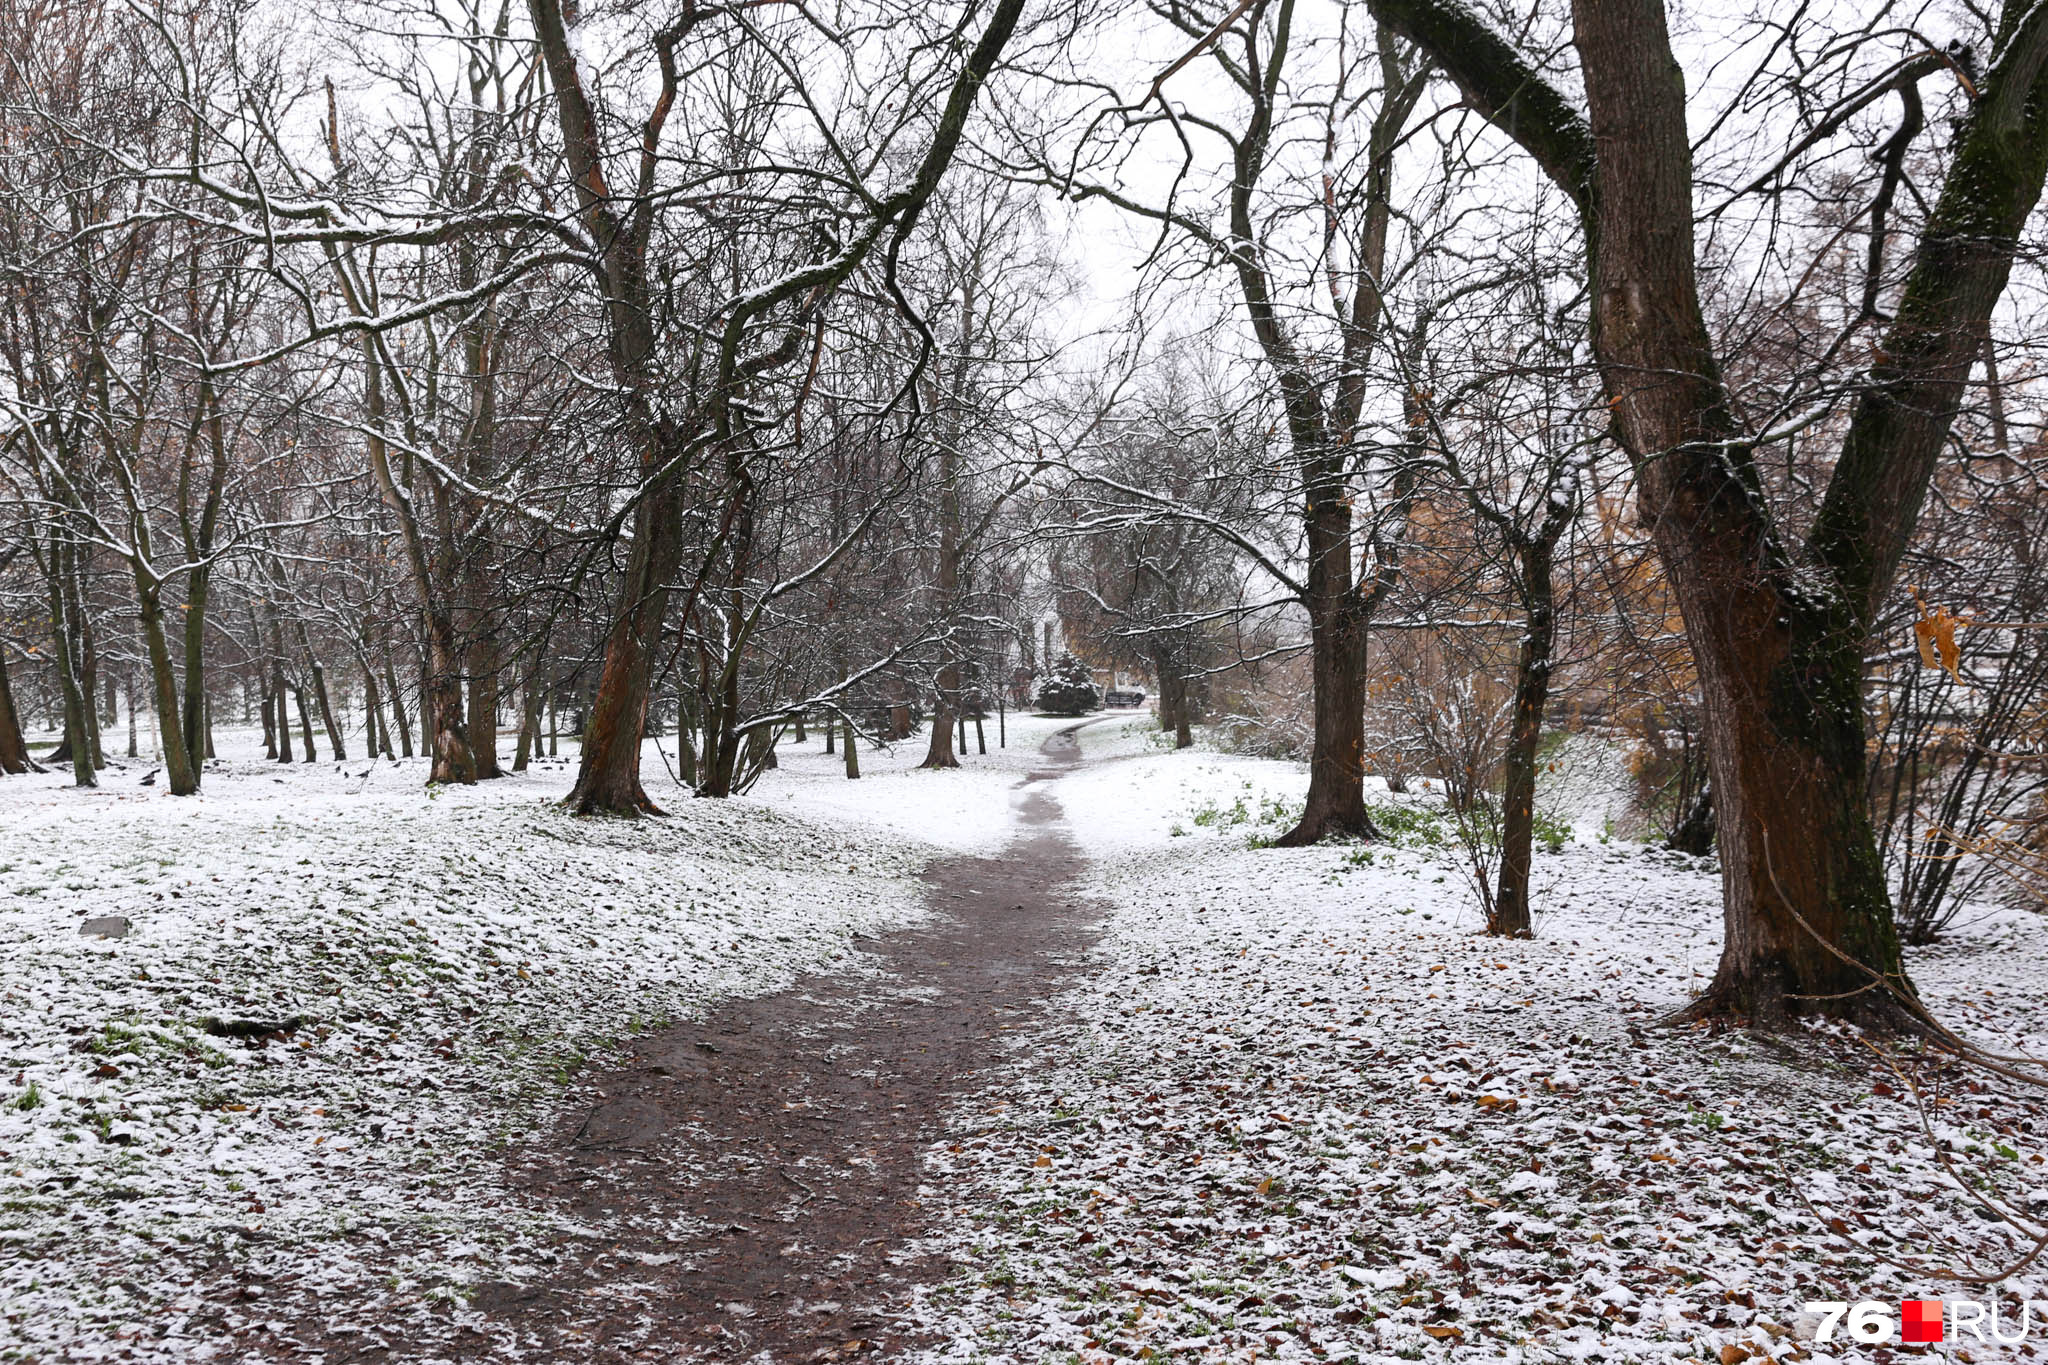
[755,1175]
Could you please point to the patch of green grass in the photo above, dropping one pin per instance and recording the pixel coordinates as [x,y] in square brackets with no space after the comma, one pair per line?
[1551,832]
[1406,825]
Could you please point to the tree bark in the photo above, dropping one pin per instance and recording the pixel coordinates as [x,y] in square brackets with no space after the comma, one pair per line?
[1512,917]
[1336,775]
[608,780]
[305,723]
[78,745]
[283,712]
[321,699]
[852,758]
[199,539]
[483,669]
[14,757]
[269,726]
[178,765]
[397,709]
[529,719]
[375,736]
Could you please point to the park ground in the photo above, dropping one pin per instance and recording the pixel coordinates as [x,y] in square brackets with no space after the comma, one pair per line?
[1250,1103]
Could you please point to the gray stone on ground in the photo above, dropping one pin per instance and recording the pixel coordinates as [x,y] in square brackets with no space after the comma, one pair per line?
[105,926]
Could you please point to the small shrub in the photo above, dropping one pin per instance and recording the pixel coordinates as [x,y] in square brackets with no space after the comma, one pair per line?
[1068,689]
[1552,833]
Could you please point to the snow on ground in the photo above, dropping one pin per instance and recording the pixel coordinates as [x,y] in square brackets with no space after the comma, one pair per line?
[960,809]
[1300,1111]
[421,969]
[1303,1112]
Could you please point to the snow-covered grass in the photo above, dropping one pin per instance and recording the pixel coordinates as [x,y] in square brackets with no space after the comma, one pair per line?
[428,968]
[1301,1111]
[965,809]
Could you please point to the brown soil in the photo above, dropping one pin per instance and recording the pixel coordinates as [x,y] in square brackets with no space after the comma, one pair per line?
[752,1180]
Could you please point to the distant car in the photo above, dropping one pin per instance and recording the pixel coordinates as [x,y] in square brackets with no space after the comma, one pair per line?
[1123,699]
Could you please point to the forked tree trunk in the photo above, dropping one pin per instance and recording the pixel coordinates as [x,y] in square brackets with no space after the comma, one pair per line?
[610,777]
[529,723]
[88,674]
[608,782]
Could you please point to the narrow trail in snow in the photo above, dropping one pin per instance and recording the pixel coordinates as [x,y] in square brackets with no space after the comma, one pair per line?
[751,1180]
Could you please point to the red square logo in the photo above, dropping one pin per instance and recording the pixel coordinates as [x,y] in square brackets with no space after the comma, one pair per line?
[1919,1320]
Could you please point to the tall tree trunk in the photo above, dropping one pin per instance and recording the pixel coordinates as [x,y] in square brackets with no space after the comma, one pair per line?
[375,738]
[305,722]
[938,749]
[529,722]
[283,718]
[269,725]
[397,709]
[193,721]
[1336,774]
[199,535]
[444,729]
[178,765]
[89,665]
[134,740]
[78,743]
[14,757]
[322,700]
[1512,916]
[483,668]
[608,781]
[852,757]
